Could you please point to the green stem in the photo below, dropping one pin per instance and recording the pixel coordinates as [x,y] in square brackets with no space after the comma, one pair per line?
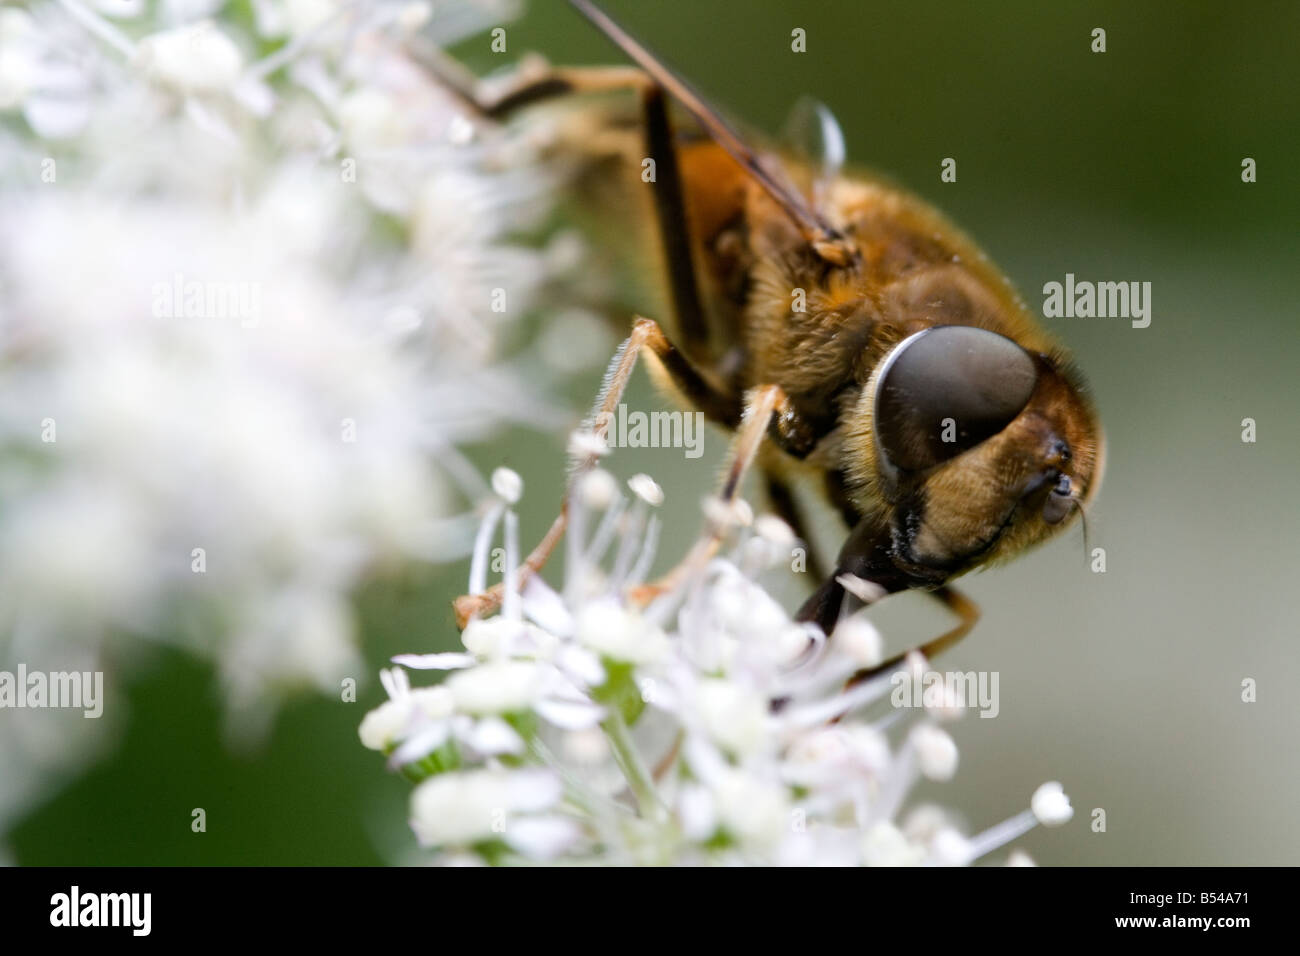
[634,769]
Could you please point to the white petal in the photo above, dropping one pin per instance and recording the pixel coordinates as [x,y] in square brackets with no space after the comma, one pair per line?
[194,58]
[56,117]
[734,716]
[570,714]
[611,630]
[858,637]
[492,736]
[885,845]
[395,682]
[436,662]
[696,810]
[422,743]
[545,608]
[385,724]
[950,848]
[533,790]
[543,838]
[580,663]
[588,746]
[499,687]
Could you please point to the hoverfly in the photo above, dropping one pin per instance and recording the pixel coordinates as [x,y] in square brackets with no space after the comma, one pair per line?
[900,370]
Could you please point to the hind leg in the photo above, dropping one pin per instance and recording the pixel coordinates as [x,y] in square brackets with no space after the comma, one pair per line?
[534,82]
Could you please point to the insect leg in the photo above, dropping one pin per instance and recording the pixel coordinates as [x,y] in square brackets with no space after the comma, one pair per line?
[620,371]
[674,230]
[533,81]
[646,334]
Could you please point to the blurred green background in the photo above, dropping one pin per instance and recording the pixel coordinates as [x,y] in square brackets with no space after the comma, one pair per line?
[1126,686]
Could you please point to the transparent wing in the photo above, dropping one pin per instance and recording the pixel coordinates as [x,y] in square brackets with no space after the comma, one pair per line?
[813,225]
[813,136]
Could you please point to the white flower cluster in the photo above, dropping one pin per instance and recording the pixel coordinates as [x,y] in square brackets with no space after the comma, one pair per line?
[703,727]
[252,271]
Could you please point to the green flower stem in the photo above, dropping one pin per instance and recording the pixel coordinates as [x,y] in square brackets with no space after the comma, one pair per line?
[629,761]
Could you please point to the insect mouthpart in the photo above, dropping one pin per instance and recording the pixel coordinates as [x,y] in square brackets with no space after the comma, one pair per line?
[1060,502]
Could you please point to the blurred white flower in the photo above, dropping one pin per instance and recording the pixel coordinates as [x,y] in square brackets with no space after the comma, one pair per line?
[727,732]
[198,58]
[249,311]
[462,809]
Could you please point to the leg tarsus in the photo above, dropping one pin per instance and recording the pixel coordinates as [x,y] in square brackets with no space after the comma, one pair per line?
[532,81]
[468,606]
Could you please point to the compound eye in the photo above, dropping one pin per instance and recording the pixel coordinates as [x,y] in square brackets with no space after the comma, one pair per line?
[945,390]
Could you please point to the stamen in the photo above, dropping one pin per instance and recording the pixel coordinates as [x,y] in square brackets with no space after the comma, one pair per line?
[478,567]
[1002,834]
[510,587]
[649,545]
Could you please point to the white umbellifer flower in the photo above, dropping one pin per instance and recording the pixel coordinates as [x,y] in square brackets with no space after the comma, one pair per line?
[306,16]
[17,56]
[414,15]
[614,631]
[498,687]
[392,720]
[198,58]
[704,727]
[460,809]
[750,809]
[733,716]
[586,747]
[886,845]
[371,120]
[231,380]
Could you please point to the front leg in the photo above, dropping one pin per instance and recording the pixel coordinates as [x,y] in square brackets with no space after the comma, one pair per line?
[716,404]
